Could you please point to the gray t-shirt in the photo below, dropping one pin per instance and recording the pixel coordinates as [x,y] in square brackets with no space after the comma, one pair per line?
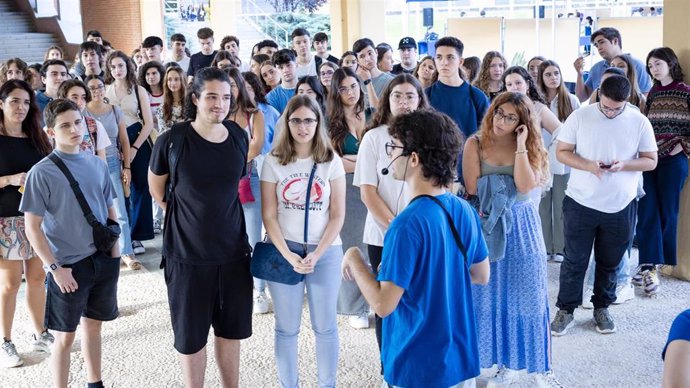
[47,193]
[379,84]
[110,121]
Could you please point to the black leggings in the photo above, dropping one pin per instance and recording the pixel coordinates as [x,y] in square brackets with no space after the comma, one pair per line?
[375,253]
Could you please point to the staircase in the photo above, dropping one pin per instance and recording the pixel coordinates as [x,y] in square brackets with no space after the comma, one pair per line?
[17,36]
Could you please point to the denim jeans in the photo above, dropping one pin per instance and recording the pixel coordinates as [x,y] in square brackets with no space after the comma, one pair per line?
[252,218]
[322,295]
[610,234]
[125,240]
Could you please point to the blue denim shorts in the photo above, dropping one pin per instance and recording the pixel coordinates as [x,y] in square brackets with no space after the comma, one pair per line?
[95,297]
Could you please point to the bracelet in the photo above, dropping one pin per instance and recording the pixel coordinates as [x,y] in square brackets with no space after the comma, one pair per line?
[521,152]
[135,147]
[125,168]
[367,82]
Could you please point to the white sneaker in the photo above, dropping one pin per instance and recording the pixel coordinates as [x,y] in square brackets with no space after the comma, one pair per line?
[42,343]
[360,321]
[503,377]
[557,258]
[9,358]
[587,299]
[547,380]
[624,293]
[260,303]
[138,247]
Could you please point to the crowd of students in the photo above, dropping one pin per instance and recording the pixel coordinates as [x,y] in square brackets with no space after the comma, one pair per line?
[210,151]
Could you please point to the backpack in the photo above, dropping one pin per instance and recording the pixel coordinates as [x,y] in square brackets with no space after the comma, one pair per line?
[90,143]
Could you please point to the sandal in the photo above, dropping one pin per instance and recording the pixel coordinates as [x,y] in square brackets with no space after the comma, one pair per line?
[131,262]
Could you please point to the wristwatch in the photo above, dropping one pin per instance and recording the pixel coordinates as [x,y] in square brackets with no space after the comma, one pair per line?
[50,268]
[367,82]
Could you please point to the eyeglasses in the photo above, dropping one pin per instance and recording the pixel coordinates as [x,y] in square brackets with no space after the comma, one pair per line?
[508,119]
[97,88]
[326,73]
[611,113]
[390,147]
[297,121]
[347,90]
[399,97]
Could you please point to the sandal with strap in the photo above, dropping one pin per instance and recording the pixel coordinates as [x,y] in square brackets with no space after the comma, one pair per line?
[131,262]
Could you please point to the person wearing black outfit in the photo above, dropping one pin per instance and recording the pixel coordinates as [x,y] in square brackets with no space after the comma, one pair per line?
[408,56]
[205,247]
[204,57]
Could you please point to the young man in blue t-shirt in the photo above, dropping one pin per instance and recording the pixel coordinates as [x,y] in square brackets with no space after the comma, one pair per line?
[81,281]
[423,293]
[284,61]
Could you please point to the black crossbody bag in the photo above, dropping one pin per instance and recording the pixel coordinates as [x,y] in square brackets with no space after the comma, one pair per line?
[104,236]
[456,235]
[267,261]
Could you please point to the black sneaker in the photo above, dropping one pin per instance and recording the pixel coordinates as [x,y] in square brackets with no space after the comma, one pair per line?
[605,324]
[562,322]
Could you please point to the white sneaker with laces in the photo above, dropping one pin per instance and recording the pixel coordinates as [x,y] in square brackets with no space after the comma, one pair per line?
[624,293]
[360,321]
[503,378]
[43,342]
[261,303]
[138,247]
[9,358]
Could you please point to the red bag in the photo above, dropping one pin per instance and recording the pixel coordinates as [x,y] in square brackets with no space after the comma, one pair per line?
[245,189]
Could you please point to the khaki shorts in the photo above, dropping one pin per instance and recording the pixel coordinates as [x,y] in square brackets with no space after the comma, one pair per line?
[13,242]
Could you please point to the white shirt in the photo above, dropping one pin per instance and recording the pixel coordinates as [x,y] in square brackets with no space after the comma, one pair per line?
[371,159]
[597,137]
[291,190]
[308,69]
[550,143]
[184,62]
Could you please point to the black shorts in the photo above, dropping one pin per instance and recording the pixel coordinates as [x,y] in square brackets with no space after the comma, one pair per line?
[95,297]
[201,296]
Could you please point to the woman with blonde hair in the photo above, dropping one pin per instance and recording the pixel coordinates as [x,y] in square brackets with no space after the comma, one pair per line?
[507,159]
[304,154]
[490,74]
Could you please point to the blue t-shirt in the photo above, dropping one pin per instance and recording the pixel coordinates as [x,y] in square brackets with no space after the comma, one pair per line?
[465,104]
[279,97]
[680,330]
[430,339]
[597,70]
[271,117]
[42,101]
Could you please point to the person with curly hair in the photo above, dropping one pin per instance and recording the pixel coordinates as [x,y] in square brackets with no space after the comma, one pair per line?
[507,159]
[490,74]
[15,68]
[150,76]
[423,288]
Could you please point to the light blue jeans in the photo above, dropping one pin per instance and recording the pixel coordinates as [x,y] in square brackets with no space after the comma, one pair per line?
[125,240]
[322,295]
[252,218]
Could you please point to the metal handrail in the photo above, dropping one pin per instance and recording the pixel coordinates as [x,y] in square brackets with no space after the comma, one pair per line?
[259,16]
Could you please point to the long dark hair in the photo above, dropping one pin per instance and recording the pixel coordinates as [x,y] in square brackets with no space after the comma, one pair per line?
[532,91]
[383,115]
[667,55]
[197,86]
[337,124]
[315,85]
[253,80]
[31,126]
[565,107]
[242,104]
[169,95]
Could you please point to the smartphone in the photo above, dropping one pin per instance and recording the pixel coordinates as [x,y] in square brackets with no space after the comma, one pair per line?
[585,54]
[604,166]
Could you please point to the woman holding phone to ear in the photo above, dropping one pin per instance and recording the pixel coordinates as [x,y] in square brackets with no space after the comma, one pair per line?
[512,311]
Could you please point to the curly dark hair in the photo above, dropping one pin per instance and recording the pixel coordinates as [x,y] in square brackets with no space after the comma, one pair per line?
[141,77]
[130,78]
[436,140]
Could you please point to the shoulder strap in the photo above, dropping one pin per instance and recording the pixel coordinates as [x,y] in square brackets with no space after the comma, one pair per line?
[306,208]
[456,235]
[93,131]
[178,133]
[88,214]
[139,114]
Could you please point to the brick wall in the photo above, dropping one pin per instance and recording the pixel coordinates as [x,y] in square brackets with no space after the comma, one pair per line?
[119,21]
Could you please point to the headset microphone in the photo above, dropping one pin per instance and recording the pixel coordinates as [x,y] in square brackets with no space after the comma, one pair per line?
[385,171]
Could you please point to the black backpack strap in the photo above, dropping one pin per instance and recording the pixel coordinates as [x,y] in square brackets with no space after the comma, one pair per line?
[85,208]
[178,133]
[456,235]
[306,208]
[139,114]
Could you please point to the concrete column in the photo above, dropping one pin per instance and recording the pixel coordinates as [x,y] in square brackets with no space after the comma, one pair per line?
[677,36]
[151,18]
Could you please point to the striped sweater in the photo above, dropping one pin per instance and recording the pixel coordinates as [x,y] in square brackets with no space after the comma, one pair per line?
[668,109]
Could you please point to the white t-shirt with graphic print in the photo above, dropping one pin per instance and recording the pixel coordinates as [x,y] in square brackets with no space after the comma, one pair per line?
[291,190]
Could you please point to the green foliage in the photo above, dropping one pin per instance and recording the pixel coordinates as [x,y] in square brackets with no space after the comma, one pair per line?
[519,59]
[289,21]
[295,5]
